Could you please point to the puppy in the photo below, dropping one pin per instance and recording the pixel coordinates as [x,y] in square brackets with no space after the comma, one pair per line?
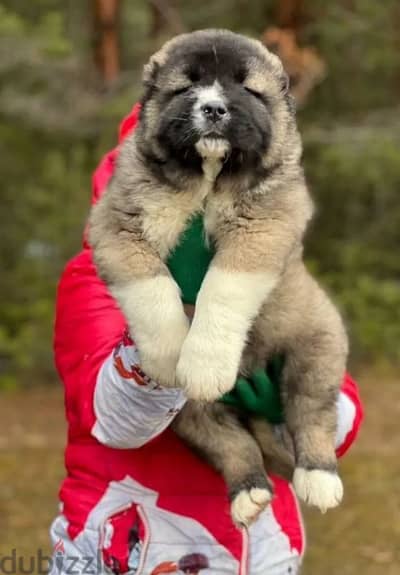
[217,136]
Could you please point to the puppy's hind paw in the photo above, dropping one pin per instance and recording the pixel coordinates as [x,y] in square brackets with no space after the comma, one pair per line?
[323,489]
[248,504]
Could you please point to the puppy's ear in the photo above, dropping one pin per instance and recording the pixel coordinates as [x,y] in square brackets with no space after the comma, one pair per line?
[149,78]
[284,82]
[285,89]
[153,66]
[292,104]
[150,72]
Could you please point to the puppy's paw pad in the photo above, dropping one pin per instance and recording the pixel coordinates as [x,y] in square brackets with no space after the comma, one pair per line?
[248,504]
[323,489]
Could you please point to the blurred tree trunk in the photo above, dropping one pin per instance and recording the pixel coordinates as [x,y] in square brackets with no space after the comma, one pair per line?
[106,39]
[157,22]
[304,65]
[290,14]
[164,16]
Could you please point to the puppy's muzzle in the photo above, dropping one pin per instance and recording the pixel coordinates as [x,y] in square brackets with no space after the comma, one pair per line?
[214,111]
[210,111]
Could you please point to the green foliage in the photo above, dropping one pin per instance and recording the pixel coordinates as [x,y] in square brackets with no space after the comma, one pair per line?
[359,41]
[47,28]
[55,123]
[50,31]
[44,201]
[354,243]
[11,24]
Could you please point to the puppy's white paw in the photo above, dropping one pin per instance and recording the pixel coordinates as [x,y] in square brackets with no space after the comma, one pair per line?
[159,358]
[161,369]
[204,376]
[323,489]
[157,323]
[248,505]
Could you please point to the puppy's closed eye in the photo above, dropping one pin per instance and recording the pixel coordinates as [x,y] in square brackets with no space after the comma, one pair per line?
[192,77]
[255,93]
[181,89]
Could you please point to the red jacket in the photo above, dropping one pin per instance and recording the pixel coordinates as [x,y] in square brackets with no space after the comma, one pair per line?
[126,469]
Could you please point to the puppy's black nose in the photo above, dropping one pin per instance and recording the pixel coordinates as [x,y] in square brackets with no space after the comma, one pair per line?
[214,110]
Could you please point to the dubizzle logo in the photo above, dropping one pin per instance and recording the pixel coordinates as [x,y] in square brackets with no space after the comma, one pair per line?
[59,547]
[61,563]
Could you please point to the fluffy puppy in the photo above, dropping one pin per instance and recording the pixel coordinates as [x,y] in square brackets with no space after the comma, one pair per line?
[217,136]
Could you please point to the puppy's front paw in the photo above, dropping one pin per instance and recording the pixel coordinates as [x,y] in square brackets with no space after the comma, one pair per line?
[204,373]
[159,358]
[323,489]
[160,369]
[248,504]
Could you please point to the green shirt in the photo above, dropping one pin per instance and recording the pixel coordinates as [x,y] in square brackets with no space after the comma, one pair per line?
[189,261]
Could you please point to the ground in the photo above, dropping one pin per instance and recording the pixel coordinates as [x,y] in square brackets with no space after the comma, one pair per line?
[361,536]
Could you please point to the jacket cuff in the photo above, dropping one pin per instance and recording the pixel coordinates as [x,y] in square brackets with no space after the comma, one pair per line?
[350,416]
[130,408]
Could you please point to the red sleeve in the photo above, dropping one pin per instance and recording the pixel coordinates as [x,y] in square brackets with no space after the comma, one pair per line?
[350,415]
[88,322]
[88,326]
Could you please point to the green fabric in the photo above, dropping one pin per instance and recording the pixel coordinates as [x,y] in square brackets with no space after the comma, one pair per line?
[189,262]
[188,265]
[259,394]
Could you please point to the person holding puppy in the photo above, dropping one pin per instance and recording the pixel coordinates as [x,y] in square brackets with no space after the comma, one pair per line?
[135,499]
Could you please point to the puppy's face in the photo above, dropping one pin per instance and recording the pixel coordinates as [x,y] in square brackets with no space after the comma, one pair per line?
[219,93]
